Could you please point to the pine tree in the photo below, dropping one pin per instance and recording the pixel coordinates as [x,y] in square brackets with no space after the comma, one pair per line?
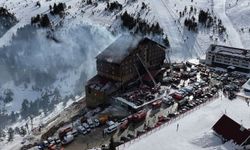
[17,130]
[25,108]
[8,96]
[23,131]
[13,117]
[10,134]
[166,41]
[45,22]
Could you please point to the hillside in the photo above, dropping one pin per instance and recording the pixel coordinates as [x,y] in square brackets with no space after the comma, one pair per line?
[51,65]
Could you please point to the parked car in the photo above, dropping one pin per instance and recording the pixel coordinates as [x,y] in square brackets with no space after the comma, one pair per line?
[111,128]
[163,118]
[86,126]
[81,130]
[68,139]
[96,122]
[124,124]
[74,133]
[174,86]
[139,116]
[64,131]
[168,102]
[45,143]
[58,141]
[90,123]
[157,104]
[110,123]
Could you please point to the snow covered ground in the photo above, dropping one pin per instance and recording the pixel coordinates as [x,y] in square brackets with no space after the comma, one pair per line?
[184,44]
[87,30]
[194,131]
[239,15]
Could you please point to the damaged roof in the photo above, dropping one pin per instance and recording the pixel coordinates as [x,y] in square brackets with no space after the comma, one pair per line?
[121,48]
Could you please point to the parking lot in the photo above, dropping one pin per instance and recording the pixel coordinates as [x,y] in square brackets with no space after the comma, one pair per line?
[182,89]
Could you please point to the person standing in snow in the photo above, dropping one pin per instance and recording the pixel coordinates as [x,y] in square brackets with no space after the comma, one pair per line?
[177,127]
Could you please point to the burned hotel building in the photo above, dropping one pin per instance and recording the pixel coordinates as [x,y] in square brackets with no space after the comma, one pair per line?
[120,63]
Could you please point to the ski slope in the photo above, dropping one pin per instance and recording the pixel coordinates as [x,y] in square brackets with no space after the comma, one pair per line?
[239,15]
[194,132]
[233,35]
[168,22]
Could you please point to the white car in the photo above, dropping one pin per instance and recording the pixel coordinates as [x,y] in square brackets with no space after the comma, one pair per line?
[45,143]
[86,126]
[91,123]
[111,128]
[97,122]
[67,139]
[110,123]
[81,130]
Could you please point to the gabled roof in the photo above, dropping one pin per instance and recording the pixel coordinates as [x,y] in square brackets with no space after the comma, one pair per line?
[122,47]
[231,130]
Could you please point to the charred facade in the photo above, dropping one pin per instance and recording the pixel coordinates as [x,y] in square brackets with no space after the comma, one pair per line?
[121,63]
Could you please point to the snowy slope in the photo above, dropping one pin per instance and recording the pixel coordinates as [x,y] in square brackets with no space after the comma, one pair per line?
[233,35]
[88,29]
[239,15]
[194,131]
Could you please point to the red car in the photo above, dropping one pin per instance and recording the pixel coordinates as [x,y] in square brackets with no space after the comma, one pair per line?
[163,118]
[124,124]
[139,116]
[157,104]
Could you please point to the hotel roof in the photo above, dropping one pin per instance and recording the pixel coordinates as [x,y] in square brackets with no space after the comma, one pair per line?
[122,47]
[232,51]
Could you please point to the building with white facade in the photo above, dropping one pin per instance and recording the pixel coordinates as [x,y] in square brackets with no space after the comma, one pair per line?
[224,56]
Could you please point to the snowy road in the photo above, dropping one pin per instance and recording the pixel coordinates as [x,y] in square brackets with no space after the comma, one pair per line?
[233,35]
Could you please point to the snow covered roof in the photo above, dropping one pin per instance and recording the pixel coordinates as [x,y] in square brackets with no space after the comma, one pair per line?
[232,51]
[119,49]
[231,130]
[122,47]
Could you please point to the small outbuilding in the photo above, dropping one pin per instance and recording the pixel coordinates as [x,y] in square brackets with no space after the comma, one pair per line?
[228,129]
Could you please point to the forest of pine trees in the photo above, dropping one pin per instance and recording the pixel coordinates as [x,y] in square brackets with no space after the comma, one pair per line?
[143,27]
[140,25]
[43,20]
[114,6]
[205,19]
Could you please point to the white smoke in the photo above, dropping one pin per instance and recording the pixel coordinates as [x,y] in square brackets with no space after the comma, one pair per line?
[33,57]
